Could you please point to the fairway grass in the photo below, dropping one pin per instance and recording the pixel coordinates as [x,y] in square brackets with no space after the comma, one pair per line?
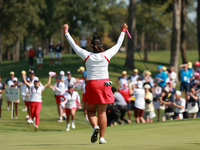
[173,135]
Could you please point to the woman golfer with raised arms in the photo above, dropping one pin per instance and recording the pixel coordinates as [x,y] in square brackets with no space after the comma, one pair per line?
[98,87]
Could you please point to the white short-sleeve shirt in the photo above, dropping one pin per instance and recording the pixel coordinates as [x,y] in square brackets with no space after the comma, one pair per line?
[36,94]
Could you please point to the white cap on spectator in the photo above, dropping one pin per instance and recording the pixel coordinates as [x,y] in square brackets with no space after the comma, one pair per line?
[62,73]
[140,84]
[14,79]
[178,93]
[147,86]
[167,89]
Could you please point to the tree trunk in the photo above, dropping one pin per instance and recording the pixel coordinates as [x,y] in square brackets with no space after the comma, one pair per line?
[16,51]
[24,48]
[1,53]
[198,27]
[146,47]
[62,36]
[183,32]
[8,54]
[142,42]
[131,25]
[175,39]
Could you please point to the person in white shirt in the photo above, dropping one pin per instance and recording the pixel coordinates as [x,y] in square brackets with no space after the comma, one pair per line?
[139,105]
[69,80]
[122,80]
[36,90]
[179,105]
[72,100]
[59,89]
[134,77]
[81,86]
[172,76]
[98,89]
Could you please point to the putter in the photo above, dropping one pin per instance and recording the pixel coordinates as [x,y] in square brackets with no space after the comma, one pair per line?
[136,49]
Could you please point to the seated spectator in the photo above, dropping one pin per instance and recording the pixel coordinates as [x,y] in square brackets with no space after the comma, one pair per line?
[139,106]
[121,104]
[149,113]
[192,105]
[112,115]
[166,101]
[156,90]
[172,90]
[126,94]
[122,80]
[179,105]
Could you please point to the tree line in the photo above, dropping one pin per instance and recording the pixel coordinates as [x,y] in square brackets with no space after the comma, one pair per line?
[154,25]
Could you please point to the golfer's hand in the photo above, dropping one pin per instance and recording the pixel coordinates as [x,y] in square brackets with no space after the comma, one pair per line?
[65,27]
[124,26]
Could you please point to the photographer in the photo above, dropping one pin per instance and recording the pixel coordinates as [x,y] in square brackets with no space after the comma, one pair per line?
[179,105]
[166,100]
[192,106]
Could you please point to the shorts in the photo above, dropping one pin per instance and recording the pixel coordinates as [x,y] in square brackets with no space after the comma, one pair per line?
[83,98]
[58,55]
[27,103]
[51,55]
[129,105]
[167,116]
[156,104]
[1,99]
[39,60]
[184,87]
[98,93]
[68,110]
[138,112]
[17,101]
[58,101]
[150,115]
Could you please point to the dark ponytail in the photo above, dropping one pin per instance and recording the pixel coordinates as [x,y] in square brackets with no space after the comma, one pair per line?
[96,44]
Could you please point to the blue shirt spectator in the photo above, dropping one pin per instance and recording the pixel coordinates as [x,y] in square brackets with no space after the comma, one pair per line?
[161,77]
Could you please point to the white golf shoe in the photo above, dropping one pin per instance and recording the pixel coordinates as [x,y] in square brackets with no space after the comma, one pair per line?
[102,140]
[95,134]
[68,127]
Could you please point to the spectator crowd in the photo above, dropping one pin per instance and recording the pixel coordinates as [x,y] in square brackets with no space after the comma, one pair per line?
[140,93]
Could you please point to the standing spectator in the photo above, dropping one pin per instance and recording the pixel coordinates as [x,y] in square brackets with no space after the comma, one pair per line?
[121,104]
[15,85]
[72,100]
[40,58]
[149,113]
[126,94]
[9,82]
[147,78]
[185,78]
[51,54]
[139,106]
[23,92]
[166,101]
[62,75]
[83,43]
[172,76]
[192,106]
[69,80]
[179,105]
[59,89]
[122,80]
[2,88]
[161,77]
[197,67]
[81,86]
[31,57]
[59,49]
[82,71]
[157,90]
[134,76]
[36,90]
[190,68]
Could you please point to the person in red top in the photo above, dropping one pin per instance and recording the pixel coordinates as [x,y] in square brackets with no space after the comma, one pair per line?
[31,57]
[126,94]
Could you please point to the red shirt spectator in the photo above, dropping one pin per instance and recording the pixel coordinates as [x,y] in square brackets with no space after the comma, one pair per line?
[125,93]
[31,53]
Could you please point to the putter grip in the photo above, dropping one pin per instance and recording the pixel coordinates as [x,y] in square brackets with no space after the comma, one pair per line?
[128,34]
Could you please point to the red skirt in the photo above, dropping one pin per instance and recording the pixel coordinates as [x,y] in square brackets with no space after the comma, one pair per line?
[98,93]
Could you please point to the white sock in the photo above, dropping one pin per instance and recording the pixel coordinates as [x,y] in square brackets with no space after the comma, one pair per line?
[60,118]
